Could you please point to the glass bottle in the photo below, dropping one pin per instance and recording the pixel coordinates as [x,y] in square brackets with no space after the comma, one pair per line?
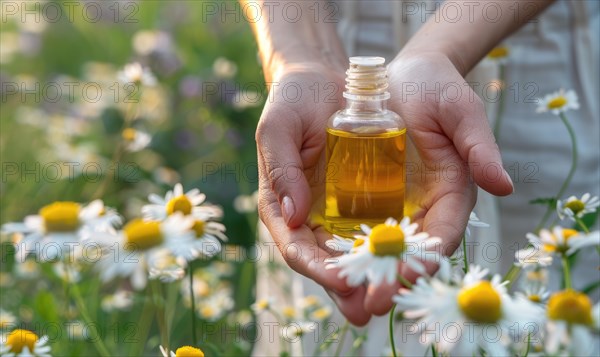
[365,178]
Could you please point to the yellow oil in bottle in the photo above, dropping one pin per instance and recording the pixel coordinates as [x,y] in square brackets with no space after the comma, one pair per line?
[365,180]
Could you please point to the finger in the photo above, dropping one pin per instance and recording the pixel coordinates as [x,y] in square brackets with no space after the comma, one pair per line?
[465,123]
[300,247]
[351,306]
[279,140]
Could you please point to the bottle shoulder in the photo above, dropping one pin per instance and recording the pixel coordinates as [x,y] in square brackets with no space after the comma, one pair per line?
[370,122]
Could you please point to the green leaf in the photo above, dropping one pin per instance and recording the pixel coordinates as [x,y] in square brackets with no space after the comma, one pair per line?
[544,201]
[45,305]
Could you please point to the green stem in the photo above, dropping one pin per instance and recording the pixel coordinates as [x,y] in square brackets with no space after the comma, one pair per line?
[193,300]
[465,260]
[98,343]
[566,271]
[582,225]
[160,312]
[145,323]
[391,328]
[433,350]
[528,344]
[405,282]
[512,275]
[343,333]
[500,107]
[567,181]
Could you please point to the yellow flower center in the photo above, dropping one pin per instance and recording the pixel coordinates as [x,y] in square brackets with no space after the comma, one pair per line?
[570,306]
[198,227]
[129,134]
[207,311]
[535,298]
[142,235]
[321,313]
[61,216]
[480,302]
[311,300]
[262,304]
[189,351]
[568,233]
[498,52]
[575,206]
[386,240]
[358,242]
[18,339]
[179,204]
[557,102]
[289,312]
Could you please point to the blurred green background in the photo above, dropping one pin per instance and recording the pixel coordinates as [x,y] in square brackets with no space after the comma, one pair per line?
[58,145]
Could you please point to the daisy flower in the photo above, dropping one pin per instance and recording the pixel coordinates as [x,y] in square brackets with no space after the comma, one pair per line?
[499,54]
[475,307]
[262,305]
[122,300]
[205,242]
[575,207]
[474,222]
[135,140]
[7,320]
[294,330]
[583,240]
[558,102]
[58,229]
[382,248]
[571,319]
[141,244]
[310,301]
[167,268]
[559,241]
[135,73]
[321,314]
[24,343]
[190,203]
[536,293]
[533,257]
[185,351]
[215,306]
[289,313]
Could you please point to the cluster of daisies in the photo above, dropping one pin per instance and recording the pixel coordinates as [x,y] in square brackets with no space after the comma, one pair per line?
[174,230]
[468,312]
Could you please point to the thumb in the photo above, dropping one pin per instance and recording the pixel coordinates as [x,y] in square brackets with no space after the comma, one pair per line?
[465,123]
[281,165]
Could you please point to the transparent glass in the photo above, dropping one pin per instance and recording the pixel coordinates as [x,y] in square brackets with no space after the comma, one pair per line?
[365,151]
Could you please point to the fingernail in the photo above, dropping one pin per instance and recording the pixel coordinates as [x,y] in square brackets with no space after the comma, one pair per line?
[509,179]
[288,209]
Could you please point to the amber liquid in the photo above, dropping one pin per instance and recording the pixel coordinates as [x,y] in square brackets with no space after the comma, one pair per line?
[365,180]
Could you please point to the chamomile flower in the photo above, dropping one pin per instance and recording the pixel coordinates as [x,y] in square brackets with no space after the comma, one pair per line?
[571,318]
[167,268]
[294,330]
[536,293]
[190,203]
[321,314]
[133,251]
[262,305]
[216,305]
[135,140]
[7,320]
[67,272]
[499,54]
[122,300]
[583,240]
[58,229]
[310,302]
[135,73]
[382,248]
[185,351]
[558,241]
[24,343]
[533,257]
[289,313]
[341,244]
[205,242]
[558,102]
[575,207]
[475,307]
[474,222]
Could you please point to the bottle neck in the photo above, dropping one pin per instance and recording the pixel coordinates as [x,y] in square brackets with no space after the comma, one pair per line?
[366,85]
[366,106]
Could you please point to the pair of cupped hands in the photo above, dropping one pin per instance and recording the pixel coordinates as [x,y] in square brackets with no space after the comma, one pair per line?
[453,150]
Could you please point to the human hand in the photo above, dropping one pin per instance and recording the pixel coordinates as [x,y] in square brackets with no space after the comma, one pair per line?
[291,140]
[453,146]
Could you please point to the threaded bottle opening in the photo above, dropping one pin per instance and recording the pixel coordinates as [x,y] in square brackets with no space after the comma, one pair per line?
[366,79]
